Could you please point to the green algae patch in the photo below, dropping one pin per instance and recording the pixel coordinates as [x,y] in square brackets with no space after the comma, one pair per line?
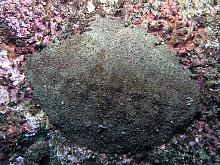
[112,89]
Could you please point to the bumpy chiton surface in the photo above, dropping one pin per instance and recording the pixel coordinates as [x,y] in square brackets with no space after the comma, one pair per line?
[112,89]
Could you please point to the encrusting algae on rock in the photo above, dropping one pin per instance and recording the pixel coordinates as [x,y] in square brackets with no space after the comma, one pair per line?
[112,89]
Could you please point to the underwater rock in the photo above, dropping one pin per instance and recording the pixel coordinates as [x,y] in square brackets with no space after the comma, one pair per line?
[37,153]
[113,89]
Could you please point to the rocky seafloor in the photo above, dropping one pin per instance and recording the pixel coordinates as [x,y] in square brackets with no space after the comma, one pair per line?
[190,29]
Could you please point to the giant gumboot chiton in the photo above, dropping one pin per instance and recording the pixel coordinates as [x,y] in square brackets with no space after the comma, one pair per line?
[113,89]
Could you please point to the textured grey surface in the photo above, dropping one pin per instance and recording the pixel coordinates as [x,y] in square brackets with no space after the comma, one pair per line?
[112,90]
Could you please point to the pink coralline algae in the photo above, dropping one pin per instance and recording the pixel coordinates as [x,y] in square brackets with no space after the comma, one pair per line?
[10,76]
[165,20]
[30,22]
[4,95]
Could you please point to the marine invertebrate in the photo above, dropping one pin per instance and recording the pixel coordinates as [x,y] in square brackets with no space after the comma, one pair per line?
[112,89]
